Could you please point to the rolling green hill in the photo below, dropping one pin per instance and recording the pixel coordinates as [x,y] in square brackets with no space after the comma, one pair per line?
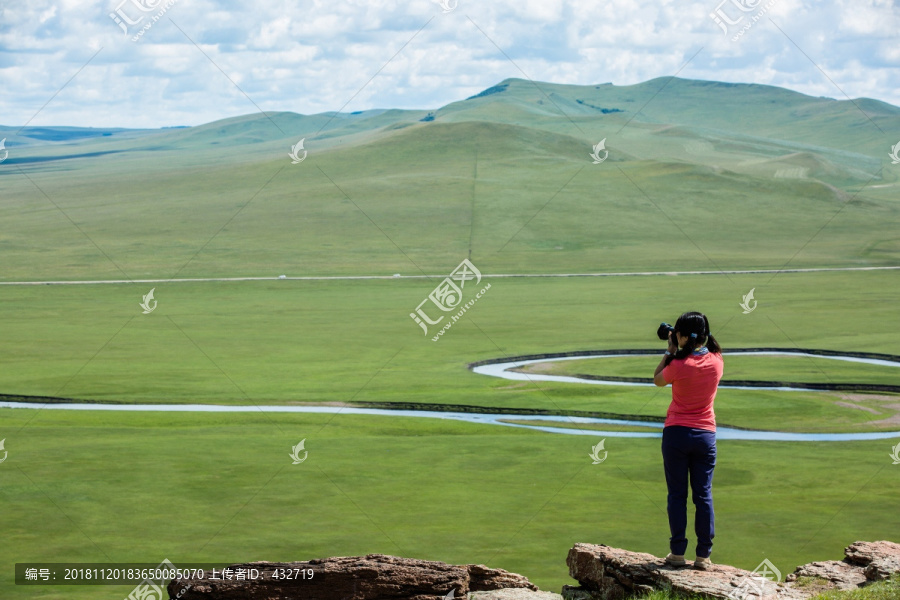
[695,172]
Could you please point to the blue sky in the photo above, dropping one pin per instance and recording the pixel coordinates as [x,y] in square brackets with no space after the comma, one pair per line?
[71,63]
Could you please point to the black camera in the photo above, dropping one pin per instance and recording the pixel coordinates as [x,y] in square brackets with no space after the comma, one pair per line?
[664,330]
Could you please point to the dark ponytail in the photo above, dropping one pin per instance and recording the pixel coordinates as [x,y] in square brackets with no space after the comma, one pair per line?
[711,344]
[694,326]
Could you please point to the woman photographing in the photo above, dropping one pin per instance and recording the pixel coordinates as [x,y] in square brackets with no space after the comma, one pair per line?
[693,366]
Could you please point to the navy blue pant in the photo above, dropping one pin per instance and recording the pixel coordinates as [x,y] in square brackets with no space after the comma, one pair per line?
[690,454]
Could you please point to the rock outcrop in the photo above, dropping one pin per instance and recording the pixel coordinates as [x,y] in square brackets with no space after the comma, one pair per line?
[613,574]
[514,594]
[880,559]
[603,572]
[351,578]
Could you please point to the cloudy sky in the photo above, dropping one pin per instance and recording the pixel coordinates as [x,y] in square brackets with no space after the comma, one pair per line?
[69,62]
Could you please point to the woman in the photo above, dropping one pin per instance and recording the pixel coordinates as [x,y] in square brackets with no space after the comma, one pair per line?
[693,365]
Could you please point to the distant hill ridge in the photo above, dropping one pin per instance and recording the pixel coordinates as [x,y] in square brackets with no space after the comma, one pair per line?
[813,147]
[753,109]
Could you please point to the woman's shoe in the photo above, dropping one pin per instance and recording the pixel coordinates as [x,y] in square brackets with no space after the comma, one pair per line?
[675,560]
[702,563]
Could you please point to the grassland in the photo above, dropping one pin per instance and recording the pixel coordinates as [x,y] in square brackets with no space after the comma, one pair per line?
[140,487]
[583,426]
[505,181]
[318,341]
[512,189]
[122,487]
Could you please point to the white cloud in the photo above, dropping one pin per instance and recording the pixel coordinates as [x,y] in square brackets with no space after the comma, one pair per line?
[314,56]
[47,15]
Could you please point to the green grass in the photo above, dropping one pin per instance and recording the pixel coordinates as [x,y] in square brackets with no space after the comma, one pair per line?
[882,590]
[140,487]
[572,425]
[189,487]
[513,189]
[300,341]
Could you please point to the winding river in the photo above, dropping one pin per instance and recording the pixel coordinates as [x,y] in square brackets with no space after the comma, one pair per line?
[502,369]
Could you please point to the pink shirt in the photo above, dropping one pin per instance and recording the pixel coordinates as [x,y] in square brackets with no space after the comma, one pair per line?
[694,383]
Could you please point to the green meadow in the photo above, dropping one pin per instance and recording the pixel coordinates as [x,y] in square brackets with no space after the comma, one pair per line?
[114,487]
[500,179]
[707,177]
[283,342]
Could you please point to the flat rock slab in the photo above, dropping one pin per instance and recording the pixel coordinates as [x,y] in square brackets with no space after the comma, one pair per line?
[614,574]
[514,594]
[880,559]
[370,577]
[840,574]
[617,574]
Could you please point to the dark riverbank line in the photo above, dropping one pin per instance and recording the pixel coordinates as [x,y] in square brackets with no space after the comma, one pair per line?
[811,386]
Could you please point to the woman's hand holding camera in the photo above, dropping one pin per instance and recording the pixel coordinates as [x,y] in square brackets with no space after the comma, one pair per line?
[673,347]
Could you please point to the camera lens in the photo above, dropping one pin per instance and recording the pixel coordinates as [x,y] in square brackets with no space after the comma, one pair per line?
[663,331]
